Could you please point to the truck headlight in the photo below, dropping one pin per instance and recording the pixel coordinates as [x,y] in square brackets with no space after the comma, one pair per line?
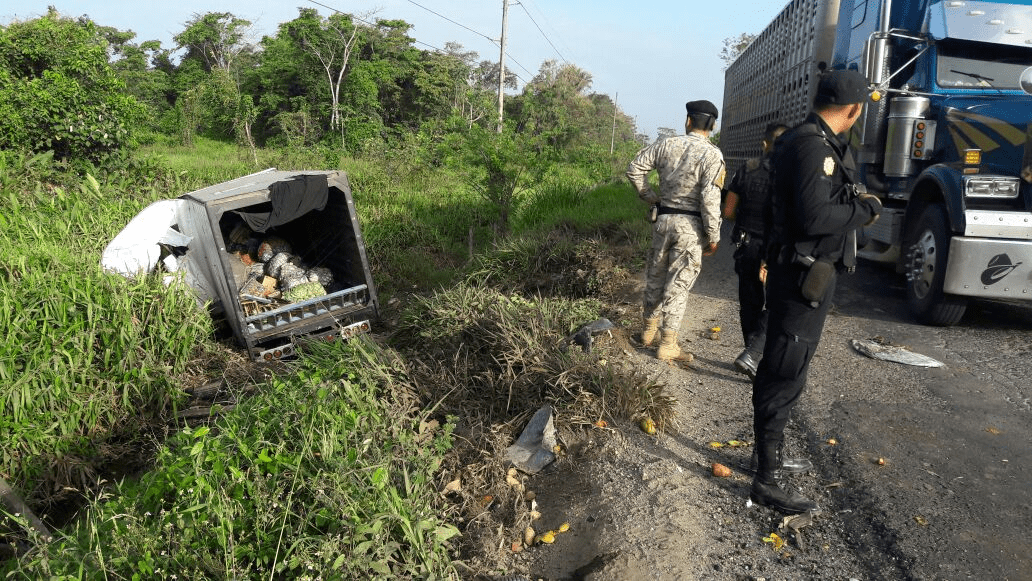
[990,187]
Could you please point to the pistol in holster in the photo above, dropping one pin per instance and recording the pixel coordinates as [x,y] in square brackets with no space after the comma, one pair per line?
[819,273]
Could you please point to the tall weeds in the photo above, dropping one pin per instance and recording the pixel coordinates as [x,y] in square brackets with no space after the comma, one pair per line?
[321,474]
[84,356]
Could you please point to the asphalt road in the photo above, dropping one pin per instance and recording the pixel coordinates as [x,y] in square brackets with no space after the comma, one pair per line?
[951,497]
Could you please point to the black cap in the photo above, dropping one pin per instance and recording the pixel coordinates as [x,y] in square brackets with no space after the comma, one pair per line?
[701,107]
[842,87]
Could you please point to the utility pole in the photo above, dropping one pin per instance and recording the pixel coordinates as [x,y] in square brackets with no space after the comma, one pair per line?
[501,63]
[612,139]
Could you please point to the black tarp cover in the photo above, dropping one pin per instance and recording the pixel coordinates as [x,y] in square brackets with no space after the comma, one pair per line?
[290,199]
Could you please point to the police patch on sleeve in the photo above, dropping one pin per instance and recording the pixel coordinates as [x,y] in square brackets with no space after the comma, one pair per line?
[829,166]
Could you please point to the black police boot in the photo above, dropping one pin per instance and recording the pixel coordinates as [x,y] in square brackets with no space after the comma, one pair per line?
[746,363]
[768,487]
[788,465]
[749,359]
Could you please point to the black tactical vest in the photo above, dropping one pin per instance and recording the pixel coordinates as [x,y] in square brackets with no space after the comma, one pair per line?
[754,196]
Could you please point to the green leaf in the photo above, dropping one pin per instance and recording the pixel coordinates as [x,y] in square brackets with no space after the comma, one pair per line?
[445,532]
[379,476]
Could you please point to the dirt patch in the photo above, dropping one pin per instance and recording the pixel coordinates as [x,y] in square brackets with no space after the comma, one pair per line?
[625,504]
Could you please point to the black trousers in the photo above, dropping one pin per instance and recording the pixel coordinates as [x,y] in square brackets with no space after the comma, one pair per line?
[752,300]
[794,327]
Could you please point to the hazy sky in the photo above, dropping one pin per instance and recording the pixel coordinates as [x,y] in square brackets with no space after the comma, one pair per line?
[650,55]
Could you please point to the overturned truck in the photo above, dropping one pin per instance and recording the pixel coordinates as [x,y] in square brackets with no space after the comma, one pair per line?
[278,255]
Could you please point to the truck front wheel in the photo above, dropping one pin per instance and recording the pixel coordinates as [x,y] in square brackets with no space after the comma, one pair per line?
[926,250]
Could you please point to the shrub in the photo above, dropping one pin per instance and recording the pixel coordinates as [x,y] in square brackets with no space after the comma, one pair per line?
[58,92]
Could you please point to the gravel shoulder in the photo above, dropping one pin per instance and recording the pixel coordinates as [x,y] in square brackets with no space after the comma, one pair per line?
[926,477]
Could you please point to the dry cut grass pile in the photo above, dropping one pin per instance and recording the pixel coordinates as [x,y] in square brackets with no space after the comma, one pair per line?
[487,359]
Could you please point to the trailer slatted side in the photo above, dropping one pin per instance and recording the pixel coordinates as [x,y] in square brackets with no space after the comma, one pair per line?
[771,81]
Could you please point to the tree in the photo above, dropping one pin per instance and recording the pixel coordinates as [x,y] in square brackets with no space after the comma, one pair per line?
[471,100]
[215,39]
[59,93]
[554,103]
[152,86]
[330,42]
[499,167]
[208,75]
[734,46]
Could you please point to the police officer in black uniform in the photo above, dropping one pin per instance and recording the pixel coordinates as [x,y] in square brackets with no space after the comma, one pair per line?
[817,206]
[747,201]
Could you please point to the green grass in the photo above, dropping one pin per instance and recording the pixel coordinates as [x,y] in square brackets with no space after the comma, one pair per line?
[84,356]
[319,474]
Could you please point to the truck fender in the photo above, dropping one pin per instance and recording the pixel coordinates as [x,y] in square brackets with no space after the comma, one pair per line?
[938,184]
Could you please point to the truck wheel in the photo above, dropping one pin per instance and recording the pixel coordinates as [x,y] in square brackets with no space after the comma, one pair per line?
[927,249]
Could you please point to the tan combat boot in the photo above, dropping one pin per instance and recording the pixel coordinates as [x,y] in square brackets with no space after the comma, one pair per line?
[669,350]
[648,334]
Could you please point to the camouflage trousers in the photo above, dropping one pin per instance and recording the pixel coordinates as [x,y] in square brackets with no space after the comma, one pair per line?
[675,261]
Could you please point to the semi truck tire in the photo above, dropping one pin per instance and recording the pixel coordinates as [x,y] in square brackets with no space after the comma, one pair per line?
[926,250]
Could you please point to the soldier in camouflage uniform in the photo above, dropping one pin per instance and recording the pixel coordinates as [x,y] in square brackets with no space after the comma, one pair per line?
[687,221]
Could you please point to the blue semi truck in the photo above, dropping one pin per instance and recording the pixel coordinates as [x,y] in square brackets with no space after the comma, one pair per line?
[945,141]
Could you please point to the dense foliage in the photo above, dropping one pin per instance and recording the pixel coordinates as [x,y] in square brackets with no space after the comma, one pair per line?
[81,89]
[59,93]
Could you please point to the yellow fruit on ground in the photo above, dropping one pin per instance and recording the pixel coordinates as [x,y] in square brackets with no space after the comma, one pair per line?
[721,471]
[547,537]
[648,426]
[564,527]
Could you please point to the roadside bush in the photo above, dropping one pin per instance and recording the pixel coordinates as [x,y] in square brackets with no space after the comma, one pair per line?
[58,92]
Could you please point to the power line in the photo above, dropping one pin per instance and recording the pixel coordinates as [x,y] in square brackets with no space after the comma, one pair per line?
[366,23]
[492,40]
[495,41]
[541,31]
[554,31]
[452,21]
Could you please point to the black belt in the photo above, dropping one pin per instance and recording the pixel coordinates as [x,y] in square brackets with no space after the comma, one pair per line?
[666,210]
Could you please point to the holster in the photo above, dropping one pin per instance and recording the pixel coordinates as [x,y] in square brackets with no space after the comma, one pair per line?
[748,247]
[817,279]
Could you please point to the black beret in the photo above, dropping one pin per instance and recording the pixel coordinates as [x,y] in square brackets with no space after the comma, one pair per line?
[842,87]
[703,107]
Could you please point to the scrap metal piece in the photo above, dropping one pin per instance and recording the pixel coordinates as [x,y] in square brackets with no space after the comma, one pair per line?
[877,350]
[584,336]
[795,524]
[533,450]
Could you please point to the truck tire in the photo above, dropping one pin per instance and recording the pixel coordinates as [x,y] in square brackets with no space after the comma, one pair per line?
[926,251]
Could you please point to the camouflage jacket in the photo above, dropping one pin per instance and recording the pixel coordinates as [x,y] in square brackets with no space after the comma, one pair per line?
[691,174]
